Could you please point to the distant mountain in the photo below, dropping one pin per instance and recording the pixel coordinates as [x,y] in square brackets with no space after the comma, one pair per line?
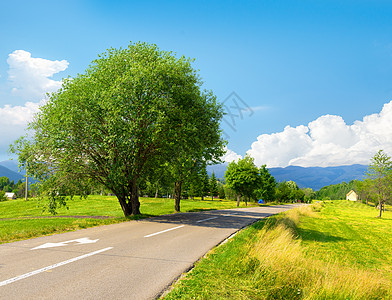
[12,165]
[219,170]
[5,172]
[317,177]
[313,177]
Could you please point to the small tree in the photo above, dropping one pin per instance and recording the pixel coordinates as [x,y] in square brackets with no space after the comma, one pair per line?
[221,192]
[283,192]
[243,177]
[2,196]
[380,172]
[213,186]
[309,195]
[204,183]
[266,190]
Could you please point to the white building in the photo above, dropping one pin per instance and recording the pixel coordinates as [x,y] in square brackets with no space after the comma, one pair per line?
[10,195]
[352,196]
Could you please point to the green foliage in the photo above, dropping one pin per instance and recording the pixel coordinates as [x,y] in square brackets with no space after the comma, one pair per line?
[243,177]
[9,186]
[2,196]
[337,191]
[288,191]
[309,195]
[133,110]
[221,192]
[380,175]
[267,187]
[283,192]
[213,186]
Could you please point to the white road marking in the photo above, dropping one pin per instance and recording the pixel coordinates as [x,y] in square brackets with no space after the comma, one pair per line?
[78,241]
[11,280]
[152,234]
[206,219]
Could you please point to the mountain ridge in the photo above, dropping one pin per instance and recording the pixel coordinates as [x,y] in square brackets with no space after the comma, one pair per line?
[312,177]
[12,175]
[308,177]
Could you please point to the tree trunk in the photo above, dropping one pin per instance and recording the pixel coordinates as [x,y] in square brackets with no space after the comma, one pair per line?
[246,202]
[177,195]
[238,200]
[380,205]
[124,205]
[202,197]
[156,192]
[135,203]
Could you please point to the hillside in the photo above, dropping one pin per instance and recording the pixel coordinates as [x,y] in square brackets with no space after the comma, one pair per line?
[313,177]
[11,165]
[5,172]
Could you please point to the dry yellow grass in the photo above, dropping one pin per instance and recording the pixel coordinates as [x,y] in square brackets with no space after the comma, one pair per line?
[278,249]
[269,260]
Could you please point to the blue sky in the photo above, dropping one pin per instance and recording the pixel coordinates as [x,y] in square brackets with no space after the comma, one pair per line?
[313,77]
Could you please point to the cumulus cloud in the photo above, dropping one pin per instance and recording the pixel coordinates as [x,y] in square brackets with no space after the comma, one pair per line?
[30,77]
[327,141]
[230,156]
[13,122]
[18,115]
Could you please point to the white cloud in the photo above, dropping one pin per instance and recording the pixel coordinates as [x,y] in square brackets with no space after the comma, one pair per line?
[258,108]
[30,80]
[18,115]
[29,76]
[230,156]
[327,141]
[13,121]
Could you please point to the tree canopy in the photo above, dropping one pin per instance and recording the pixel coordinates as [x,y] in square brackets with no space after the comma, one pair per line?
[243,177]
[132,110]
[267,186]
[380,174]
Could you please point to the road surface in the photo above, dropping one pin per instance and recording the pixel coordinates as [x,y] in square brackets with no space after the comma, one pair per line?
[130,260]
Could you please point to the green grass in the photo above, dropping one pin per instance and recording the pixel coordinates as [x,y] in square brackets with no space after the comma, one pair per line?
[334,250]
[353,232]
[21,219]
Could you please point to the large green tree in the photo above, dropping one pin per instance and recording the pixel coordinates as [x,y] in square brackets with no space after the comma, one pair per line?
[202,140]
[125,115]
[243,178]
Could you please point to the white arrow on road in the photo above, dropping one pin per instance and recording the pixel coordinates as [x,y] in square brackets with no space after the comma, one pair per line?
[78,241]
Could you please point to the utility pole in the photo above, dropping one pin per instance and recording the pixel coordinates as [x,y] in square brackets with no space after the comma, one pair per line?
[27,186]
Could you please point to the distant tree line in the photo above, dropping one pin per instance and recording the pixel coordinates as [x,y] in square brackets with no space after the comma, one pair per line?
[247,182]
[337,191]
[7,186]
[375,189]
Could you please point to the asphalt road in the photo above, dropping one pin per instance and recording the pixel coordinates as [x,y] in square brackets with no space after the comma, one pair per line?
[131,260]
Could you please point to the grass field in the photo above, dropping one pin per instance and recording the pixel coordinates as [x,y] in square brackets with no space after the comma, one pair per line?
[21,219]
[334,250]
